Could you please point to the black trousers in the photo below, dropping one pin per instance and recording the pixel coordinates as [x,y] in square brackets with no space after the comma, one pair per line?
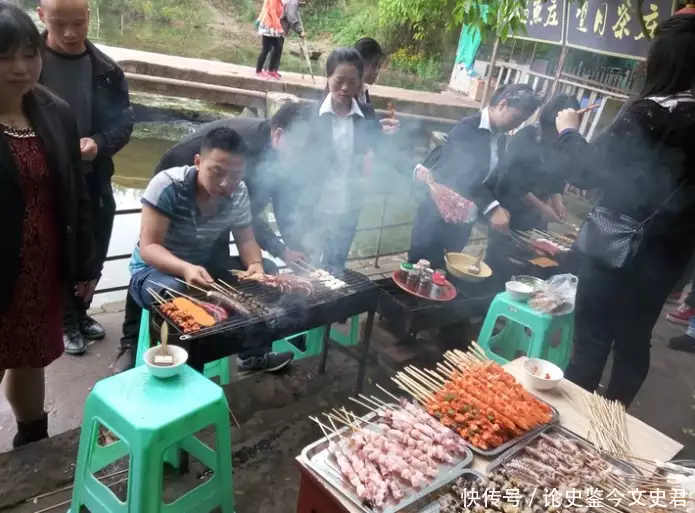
[431,237]
[219,266]
[617,310]
[270,44]
[103,207]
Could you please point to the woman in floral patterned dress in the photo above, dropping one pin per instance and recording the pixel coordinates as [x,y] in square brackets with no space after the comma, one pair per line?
[45,243]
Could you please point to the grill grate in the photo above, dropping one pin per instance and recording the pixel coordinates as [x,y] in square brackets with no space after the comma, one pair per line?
[274,308]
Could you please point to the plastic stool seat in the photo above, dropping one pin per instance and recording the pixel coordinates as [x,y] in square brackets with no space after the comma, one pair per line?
[550,339]
[150,416]
[352,337]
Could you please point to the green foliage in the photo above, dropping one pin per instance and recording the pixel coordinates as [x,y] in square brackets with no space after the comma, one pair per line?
[345,23]
[162,10]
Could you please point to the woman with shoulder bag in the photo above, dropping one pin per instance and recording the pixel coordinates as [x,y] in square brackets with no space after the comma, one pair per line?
[46,242]
[638,239]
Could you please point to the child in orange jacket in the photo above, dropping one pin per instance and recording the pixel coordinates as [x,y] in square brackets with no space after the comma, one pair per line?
[270,29]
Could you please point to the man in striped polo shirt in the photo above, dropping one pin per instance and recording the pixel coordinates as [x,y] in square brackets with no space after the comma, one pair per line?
[185,212]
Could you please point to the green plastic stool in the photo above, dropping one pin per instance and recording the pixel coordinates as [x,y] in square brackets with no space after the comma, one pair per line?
[150,416]
[352,338]
[314,341]
[550,336]
[216,369]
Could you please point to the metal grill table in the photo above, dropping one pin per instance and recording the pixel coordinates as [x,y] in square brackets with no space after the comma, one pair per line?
[411,314]
[280,316]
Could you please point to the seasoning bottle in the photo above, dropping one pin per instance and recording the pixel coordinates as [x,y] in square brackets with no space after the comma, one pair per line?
[438,285]
[412,279]
[423,264]
[425,282]
[405,271]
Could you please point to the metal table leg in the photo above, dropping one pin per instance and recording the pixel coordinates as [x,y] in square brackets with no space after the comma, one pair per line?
[364,352]
[324,349]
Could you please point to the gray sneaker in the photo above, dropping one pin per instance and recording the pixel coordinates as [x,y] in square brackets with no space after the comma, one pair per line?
[269,362]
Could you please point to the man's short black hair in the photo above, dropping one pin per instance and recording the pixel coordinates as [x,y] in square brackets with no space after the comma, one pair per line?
[369,49]
[225,139]
[286,115]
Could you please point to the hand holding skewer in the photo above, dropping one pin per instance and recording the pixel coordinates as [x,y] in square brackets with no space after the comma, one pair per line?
[569,119]
[197,275]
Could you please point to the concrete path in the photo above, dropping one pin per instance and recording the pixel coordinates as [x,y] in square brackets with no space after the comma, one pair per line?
[443,104]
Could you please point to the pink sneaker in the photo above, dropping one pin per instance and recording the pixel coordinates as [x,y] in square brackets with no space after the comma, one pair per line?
[681,315]
[262,75]
[275,75]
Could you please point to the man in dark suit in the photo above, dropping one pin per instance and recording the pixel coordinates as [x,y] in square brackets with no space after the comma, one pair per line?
[465,163]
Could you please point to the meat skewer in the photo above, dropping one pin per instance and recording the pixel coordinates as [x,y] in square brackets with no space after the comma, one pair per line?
[216,297]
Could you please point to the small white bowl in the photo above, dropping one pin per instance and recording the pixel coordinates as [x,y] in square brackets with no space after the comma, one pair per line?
[519,291]
[537,370]
[180,358]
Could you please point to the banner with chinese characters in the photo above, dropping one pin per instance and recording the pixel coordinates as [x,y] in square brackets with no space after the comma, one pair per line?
[611,27]
[545,21]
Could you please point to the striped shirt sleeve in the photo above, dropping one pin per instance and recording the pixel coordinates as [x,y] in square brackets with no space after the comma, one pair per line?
[160,194]
[242,207]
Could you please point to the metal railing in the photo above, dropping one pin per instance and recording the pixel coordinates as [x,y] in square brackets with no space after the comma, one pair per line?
[376,255]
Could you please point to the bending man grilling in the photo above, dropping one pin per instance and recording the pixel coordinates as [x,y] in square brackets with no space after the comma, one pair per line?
[186,210]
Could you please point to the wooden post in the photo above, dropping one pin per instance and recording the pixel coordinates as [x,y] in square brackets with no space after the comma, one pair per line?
[558,71]
[493,59]
[533,56]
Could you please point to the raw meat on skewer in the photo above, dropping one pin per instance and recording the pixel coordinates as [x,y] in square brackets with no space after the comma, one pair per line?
[453,207]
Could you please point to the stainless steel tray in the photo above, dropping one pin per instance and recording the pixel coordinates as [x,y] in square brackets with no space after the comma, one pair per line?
[622,465]
[520,439]
[321,462]
[433,507]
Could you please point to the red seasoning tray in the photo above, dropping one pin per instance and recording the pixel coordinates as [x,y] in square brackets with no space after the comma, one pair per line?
[448,295]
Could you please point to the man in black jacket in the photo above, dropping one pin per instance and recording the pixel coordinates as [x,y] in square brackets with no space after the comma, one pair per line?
[96,89]
[272,145]
[465,163]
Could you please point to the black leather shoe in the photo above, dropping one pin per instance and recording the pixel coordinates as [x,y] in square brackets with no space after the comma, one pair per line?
[91,329]
[125,360]
[29,432]
[74,342]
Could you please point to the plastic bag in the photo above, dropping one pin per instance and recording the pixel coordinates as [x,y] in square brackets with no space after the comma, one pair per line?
[558,296]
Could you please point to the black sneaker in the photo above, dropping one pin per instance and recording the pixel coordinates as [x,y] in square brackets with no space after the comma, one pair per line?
[270,362]
[91,329]
[682,343]
[74,342]
[125,360]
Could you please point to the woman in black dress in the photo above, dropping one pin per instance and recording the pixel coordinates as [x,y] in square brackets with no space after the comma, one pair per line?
[46,243]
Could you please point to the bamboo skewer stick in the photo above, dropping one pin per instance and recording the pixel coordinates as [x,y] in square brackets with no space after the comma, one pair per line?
[200,289]
[418,397]
[388,394]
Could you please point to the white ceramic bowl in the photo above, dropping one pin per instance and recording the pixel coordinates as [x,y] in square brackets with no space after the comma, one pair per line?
[542,374]
[180,358]
[519,291]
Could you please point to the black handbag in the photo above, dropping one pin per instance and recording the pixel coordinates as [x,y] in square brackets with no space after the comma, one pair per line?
[609,239]
[612,239]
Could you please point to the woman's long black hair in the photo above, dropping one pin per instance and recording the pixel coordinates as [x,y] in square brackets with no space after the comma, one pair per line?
[17,30]
[343,56]
[671,58]
[549,113]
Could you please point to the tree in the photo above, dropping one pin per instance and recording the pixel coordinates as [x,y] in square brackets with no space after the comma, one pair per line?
[501,18]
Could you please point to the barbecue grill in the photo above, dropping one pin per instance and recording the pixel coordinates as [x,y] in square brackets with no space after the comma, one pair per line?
[276,315]
[411,314]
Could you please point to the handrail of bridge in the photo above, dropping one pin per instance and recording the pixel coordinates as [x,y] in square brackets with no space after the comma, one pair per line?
[376,256]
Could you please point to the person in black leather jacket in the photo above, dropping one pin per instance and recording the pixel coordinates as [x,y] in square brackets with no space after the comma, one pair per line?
[96,89]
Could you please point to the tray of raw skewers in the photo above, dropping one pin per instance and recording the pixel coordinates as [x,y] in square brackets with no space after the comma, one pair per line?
[477,399]
[388,459]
